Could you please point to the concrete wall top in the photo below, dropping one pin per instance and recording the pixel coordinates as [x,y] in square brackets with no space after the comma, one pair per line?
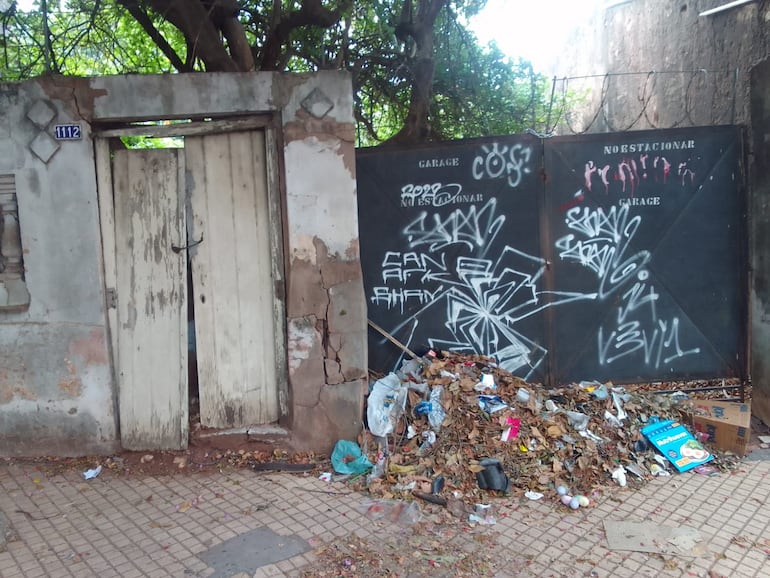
[131,97]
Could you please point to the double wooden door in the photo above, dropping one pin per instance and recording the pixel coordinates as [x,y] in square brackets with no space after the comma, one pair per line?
[209,206]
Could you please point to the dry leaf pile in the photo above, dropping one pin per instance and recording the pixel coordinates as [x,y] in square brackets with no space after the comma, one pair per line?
[543,449]
[432,552]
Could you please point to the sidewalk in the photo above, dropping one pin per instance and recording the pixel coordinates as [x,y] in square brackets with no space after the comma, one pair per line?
[241,523]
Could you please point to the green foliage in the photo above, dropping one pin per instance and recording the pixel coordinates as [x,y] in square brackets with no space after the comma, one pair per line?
[86,38]
[479,91]
[147,142]
[476,90]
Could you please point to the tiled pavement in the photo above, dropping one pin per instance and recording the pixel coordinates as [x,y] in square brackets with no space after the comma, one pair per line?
[127,527]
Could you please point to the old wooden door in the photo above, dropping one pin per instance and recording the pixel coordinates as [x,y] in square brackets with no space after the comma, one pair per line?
[149,327]
[235,269]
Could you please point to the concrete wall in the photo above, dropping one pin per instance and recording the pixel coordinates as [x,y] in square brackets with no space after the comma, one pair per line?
[759,212]
[691,70]
[695,70]
[57,394]
[56,389]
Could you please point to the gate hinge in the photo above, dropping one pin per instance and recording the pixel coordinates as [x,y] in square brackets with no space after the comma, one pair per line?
[112,298]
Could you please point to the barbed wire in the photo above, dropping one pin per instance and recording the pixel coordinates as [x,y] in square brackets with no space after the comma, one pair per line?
[706,97]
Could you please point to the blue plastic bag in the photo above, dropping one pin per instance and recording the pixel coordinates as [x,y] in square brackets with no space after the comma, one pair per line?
[347,458]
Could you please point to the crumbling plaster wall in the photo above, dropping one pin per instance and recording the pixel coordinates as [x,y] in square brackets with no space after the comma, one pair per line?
[326,307]
[56,394]
[728,52]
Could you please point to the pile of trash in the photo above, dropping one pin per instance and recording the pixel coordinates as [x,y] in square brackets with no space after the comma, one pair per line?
[451,425]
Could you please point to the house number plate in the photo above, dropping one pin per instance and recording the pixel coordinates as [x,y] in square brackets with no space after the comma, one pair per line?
[67,132]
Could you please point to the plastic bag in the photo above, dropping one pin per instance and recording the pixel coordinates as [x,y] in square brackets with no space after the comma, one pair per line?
[436,414]
[385,405]
[397,511]
[347,458]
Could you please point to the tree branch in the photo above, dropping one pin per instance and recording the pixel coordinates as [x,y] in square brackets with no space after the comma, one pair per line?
[192,18]
[146,23]
[224,14]
[416,125]
[311,13]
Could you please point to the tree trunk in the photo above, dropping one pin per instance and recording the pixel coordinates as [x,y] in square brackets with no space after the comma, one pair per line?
[417,123]
[194,20]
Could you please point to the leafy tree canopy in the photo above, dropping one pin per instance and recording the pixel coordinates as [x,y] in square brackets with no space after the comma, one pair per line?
[419,73]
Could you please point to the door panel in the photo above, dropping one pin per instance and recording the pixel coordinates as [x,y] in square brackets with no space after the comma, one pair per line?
[151,357]
[236,337]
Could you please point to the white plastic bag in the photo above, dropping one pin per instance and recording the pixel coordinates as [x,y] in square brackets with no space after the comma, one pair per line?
[386,404]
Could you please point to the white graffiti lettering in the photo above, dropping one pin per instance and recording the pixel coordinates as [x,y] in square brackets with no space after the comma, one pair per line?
[630,338]
[483,299]
[600,243]
[435,195]
[475,228]
[497,161]
[636,297]
[601,246]
[401,267]
[393,298]
[685,171]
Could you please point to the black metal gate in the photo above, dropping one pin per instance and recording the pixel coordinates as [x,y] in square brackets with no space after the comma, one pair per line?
[613,256]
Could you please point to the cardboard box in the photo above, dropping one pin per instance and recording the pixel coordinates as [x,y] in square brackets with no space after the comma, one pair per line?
[726,424]
[675,442]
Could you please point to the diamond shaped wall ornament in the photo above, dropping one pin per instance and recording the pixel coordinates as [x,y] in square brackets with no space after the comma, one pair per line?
[317,103]
[44,146]
[41,113]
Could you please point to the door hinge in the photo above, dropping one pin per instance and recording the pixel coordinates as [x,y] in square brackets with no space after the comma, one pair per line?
[112,298]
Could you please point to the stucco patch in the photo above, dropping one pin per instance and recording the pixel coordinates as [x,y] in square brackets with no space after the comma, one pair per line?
[332,290]
[353,252]
[75,94]
[71,384]
[326,129]
[10,392]
[337,272]
[320,197]
[302,248]
[307,295]
[13,376]
[353,356]
[336,416]
[303,340]
[347,309]
[92,349]
[333,372]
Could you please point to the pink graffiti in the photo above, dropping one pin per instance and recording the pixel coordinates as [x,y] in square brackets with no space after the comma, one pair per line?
[592,168]
[627,174]
[630,171]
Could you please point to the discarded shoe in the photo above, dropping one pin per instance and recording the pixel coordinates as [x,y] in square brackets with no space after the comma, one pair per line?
[492,477]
